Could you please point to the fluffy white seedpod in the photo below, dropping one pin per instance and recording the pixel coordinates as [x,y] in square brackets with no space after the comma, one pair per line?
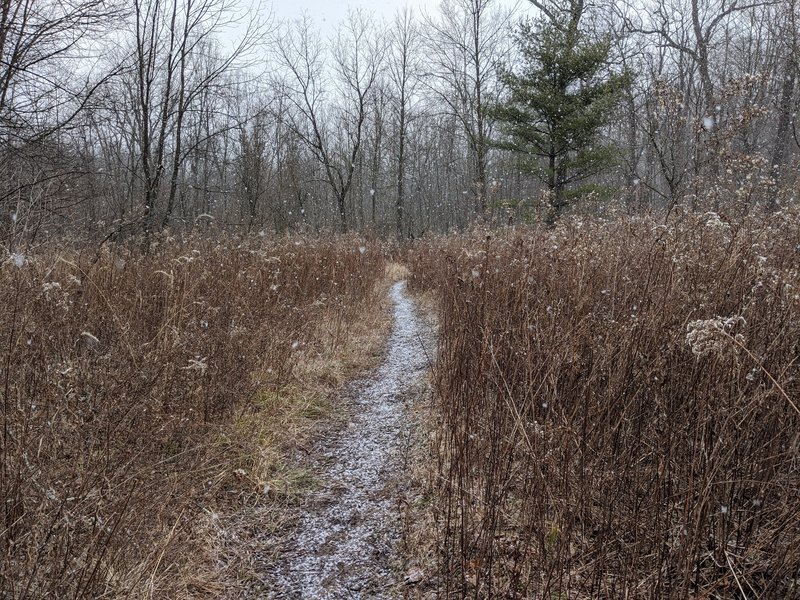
[50,289]
[90,339]
[712,336]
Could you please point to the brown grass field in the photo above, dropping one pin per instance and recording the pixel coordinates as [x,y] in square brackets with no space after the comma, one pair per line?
[614,411]
[617,408]
[146,394]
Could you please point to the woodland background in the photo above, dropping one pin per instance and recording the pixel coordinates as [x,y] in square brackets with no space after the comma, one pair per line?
[117,119]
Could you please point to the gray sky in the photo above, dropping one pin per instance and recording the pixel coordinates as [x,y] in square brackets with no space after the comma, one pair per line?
[327,13]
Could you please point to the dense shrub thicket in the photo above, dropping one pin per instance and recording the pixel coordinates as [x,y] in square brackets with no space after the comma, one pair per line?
[118,372]
[618,406]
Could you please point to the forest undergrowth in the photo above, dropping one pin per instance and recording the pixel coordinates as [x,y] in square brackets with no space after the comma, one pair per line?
[617,408]
[144,393]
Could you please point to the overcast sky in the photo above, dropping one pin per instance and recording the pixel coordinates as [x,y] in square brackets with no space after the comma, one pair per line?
[328,13]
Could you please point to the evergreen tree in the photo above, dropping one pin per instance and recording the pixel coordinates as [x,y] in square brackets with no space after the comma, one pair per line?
[563,95]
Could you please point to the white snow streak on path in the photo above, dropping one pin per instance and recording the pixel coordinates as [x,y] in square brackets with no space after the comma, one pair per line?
[342,547]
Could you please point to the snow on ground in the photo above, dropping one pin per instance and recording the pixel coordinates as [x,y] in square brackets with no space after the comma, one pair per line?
[343,544]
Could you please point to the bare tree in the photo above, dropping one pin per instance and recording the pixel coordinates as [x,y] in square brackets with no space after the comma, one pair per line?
[42,92]
[404,64]
[175,63]
[696,31]
[37,39]
[357,55]
[787,74]
[467,40]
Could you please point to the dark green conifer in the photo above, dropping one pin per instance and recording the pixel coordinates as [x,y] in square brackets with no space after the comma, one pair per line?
[561,97]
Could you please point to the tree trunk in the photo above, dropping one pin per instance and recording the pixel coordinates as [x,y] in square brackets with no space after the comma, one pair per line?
[400,170]
[782,129]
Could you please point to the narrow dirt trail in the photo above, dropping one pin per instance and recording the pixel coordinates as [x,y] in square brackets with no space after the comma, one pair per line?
[343,543]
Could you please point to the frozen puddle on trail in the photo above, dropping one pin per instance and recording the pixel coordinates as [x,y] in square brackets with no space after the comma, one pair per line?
[342,545]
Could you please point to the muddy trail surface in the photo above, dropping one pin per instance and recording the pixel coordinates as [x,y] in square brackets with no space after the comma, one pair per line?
[343,543]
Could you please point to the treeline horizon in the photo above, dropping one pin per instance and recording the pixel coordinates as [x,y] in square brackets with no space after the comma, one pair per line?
[119,120]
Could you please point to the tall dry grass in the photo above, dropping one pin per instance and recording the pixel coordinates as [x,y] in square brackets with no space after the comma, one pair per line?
[618,409]
[120,373]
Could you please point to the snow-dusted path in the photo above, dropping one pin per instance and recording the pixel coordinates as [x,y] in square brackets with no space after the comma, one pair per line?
[342,546]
